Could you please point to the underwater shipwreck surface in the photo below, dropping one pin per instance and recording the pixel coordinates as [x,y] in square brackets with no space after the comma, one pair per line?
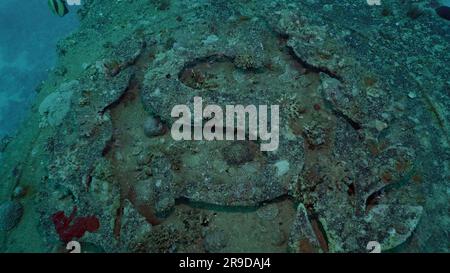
[363,152]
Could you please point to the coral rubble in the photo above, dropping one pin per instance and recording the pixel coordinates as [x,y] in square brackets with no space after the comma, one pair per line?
[359,158]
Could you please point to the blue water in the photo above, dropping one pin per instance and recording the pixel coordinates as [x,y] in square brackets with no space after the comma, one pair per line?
[28,36]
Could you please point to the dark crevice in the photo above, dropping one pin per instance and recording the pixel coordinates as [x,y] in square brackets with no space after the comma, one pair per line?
[443,12]
[108,147]
[228,208]
[133,83]
[373,200]
[284,38]
[354,124]
[351,189]
[319,231]
[118,221]
[312,68]
[139,67]
[88,179]
[129,96]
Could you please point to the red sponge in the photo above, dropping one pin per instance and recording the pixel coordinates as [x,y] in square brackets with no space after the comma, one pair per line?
[71,227]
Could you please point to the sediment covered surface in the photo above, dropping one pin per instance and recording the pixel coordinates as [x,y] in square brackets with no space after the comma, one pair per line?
[363,152]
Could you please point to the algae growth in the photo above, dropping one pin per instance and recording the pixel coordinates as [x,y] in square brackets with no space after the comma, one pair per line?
[363,147]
